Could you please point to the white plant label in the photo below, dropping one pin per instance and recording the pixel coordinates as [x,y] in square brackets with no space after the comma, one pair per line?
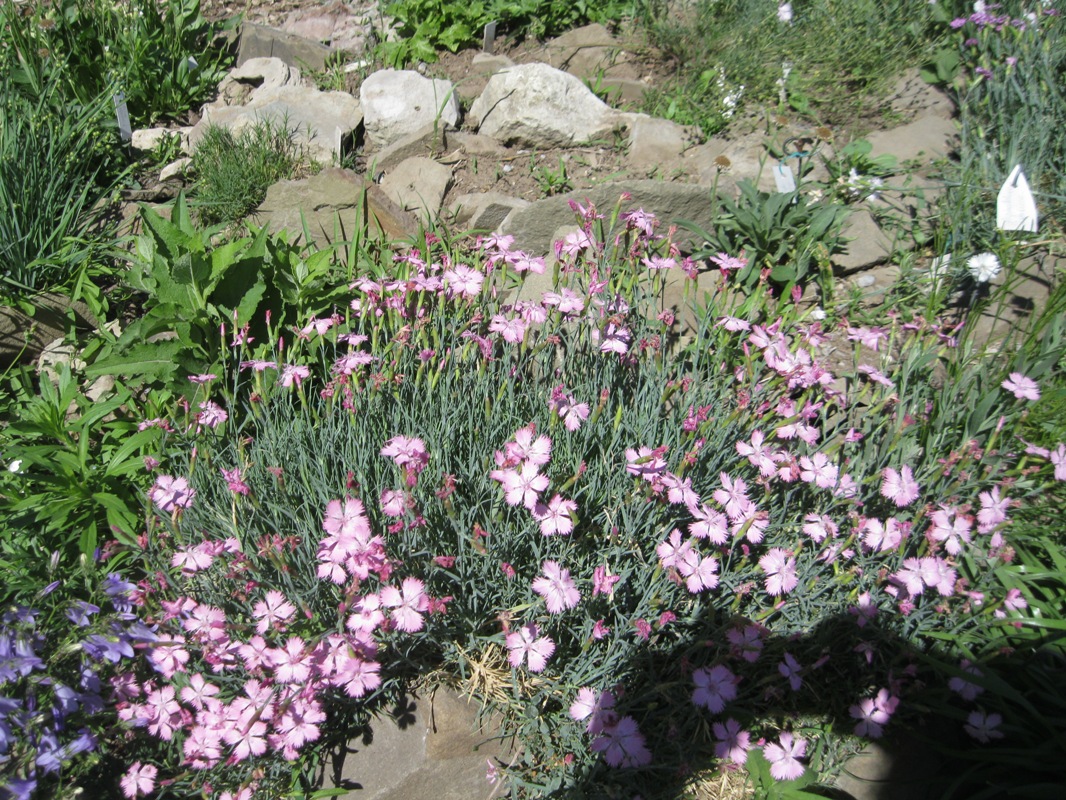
[191,63]
[1016,208]
[122,114]
[783,178]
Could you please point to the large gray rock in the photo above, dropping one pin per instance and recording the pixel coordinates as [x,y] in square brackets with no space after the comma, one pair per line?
[484,212]
[329,203]
[867,243]
[398,103]
[534,226]
[338,23]
[590,52]
[923,140]
[418,184]
[538,106]
[259,41]
[654,144]
[267,89]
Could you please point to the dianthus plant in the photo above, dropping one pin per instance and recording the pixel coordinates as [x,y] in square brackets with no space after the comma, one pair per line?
[641,550]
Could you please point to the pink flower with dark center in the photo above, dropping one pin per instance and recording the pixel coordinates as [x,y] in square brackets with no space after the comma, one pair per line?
[983,727]
[170,493]
[290,663]
[715,687]
[556,587]
[899,487]
[780,568]
[138,780]
[623,745]
[710,524]
[533,451]
[521,487]
[1021,387]
[733,743]
[234,481]
[407,451]
[784,757]
[407,603]
[393,502]
[526,646]
[555,517]
[273,611]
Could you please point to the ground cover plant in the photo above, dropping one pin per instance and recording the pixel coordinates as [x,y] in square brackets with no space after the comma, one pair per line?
[658,541]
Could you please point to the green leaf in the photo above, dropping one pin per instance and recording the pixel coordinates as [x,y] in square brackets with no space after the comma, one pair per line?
[156,360]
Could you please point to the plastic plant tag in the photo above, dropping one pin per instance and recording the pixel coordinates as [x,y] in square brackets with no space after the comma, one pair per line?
[1016,208]
[123,115]
[783,178]
[488,41]
[191,63]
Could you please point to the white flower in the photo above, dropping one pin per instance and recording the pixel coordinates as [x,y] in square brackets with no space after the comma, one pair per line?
[983,267]
[784,12]
[15,465]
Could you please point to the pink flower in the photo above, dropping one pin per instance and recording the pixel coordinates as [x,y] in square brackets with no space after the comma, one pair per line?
[464,281]
[733,743]
[759,456]
[566,301]
[951,528]
[407,452]
[290,663]
[407,604]
[512,330]
[526,646]
[555,517]
[526,448]
[138,780]
[873,713]
[733,496]
[818,470]
[714,688]
[211,414]
[603,581]
[234,482]
[556,587]
[673,550]
[273,610]
[645,462]
[292,374]
[1022,387]
[819,527]
[699,573]
[710,524]
[784,757]
[780,568]
[356,676]
[192,559]
[622,744]
[726,262]
[899,487]
[791,669]
[1058,460]
[963,687]
[993,510]
[982,726]
[170,493]
[521,487]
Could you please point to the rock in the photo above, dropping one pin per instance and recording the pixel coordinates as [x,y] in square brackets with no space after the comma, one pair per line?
[336,24]
[321,122]
[654,143]
[57,354]
[146,140]
[912,97]
[418,184]
[398,103]
[923,140]
[484,212]
[474,144]
[259,41]
[866,244]
[622,92]
[735,159]
[24,337]
[536,105]
[430,140]
[175,169]
[431,749]
[589,53]
[534,225]
[330,203]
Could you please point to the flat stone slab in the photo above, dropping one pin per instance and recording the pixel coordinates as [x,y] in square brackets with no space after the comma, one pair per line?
[431,749]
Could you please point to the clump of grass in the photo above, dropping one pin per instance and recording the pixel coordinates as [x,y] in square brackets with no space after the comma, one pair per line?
[234,170]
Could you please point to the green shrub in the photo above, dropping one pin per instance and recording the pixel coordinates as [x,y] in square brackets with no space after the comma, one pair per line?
[234,170]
